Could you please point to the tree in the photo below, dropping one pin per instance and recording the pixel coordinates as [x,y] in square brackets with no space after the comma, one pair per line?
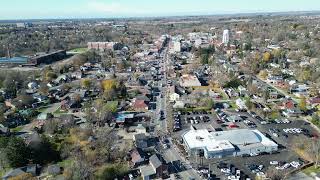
[109,84]
[17,152]
[44,89]
[267,56]
[274,174]
[263,74]
[24,176]
[86,83]
[303,104]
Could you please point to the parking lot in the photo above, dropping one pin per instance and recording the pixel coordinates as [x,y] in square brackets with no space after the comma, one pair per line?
[282,132]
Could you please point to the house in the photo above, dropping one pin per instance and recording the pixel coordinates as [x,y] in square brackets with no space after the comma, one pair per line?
[188,80]
[54,169]
[314,101]
[122,118]
[140,105]
[299,90]
[137,157]
[174,97]
[4,130]
[241,104]
[275,80]
[179,104]
[288,104]
[155,169]
[31,169]
[140,140]
[292,112]
[33,85]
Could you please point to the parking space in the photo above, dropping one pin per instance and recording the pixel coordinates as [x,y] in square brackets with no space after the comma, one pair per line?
[250,166]
[284,160]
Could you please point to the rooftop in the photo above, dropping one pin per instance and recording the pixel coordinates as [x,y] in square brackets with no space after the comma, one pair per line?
[225,140]
[14,60]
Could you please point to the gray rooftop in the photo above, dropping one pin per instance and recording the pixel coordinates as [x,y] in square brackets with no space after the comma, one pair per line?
[238,137]
[154,161]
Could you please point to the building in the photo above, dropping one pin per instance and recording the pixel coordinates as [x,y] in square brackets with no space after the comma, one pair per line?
[102,46]
[225,37]
[227,143]
[47,58]
[189,81]
[13,60]
[176,46]
[155,169]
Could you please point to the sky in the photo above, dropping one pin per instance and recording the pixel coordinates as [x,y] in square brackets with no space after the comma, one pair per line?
[41,9]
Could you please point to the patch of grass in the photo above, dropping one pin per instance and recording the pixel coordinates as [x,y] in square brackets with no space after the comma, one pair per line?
[311,169]
[3,171]
[79,50]
[65,163]
[16,129]
[60,111]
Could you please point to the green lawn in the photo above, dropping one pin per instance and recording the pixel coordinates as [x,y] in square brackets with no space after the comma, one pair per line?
[79,50]
[16,129]
[60,111]
[311,169]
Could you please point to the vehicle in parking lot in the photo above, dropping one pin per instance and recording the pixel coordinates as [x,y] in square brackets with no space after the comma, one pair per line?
[274,162]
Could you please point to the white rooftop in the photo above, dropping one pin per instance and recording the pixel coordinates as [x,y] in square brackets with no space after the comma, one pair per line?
[203,139]
[225,140]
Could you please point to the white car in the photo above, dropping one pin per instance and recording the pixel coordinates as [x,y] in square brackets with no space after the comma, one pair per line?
[275,134]
[253,154]
[286,166]
[274,162]
[225,170]
[295,164]
[263,122]
[260,167]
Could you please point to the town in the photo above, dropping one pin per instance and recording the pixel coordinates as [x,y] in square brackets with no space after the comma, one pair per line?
[204,97]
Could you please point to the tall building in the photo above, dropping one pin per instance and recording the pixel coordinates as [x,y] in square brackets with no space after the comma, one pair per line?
[225,38]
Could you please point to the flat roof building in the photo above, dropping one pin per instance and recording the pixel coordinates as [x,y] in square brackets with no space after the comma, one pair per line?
[227,143]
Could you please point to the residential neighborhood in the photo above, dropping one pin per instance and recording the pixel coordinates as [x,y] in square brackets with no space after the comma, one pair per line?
[193,97]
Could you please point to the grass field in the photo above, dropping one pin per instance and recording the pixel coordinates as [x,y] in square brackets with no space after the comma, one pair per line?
[79,50]
[311,169]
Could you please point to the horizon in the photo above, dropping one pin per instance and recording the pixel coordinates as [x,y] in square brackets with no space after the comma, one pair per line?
[106,9]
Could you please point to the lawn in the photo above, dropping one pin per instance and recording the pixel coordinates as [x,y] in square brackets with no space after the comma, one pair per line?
[16,129]
[311,169]
[79,50]
[60,111]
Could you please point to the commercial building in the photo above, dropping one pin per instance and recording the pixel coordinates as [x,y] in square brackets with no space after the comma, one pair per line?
[102,46]
[227,143]
[225,37]
[14,60]
[48,58]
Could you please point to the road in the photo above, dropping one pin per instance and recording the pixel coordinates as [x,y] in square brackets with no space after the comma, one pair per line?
[171,154]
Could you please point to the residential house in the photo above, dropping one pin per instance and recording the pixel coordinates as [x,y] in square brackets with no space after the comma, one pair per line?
[30,169]
[277,80]
[122,118]
[314,101]
[140,140]
[137,157]
[174,97]
[140,105]
[155,169]
[179,104]
[4,130]
[292,112]
[188,80]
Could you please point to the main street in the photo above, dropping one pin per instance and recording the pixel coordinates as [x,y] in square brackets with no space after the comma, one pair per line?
[171,154]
